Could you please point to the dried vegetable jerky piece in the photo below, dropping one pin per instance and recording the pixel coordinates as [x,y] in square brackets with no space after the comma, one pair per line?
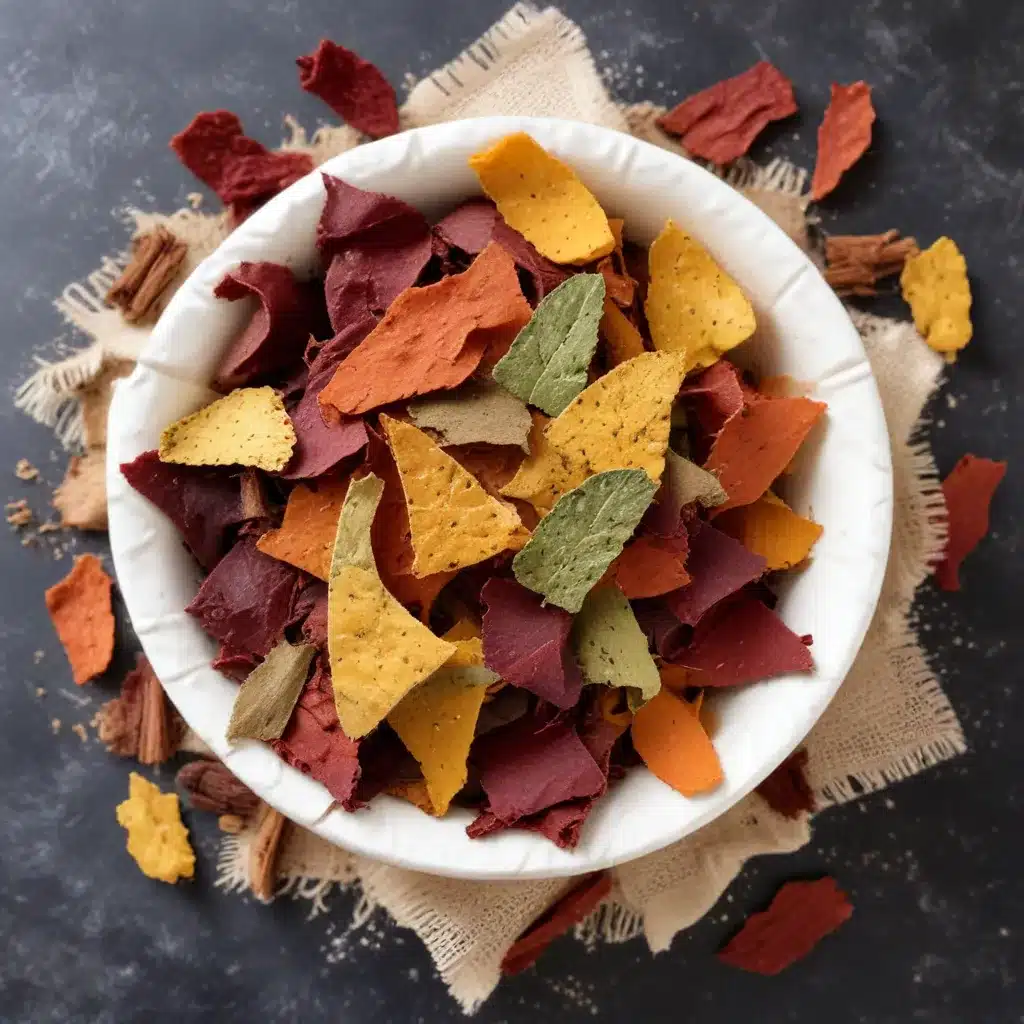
[548,361]
[743,641]
[544,200]
[352,87]
[157,840]
[694,308]
[968,491]
[454,521]
[854,264]
[800,915]
[480,412]
[243,172]
[770,528]
[668,735]
[718,565]
[157,256]
[431,338]
[622,340]
[81,611]
[305,537]
[568,910]
[278,330]
[203,504]
[248,427]
[576,542]
[527,643]
[612,648]
[621,421]
[378,651]
[935,286]
[268,696]
[248,599]
[787,790]
[437,719]
[752,449]
[844,135]
[720,123]
[651,565]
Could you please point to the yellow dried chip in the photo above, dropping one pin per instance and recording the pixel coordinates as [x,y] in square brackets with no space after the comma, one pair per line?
[437,720]
[378,651]
[935,285]
[453,520]
[621,421]
[694,308]
[542,199]
[770,528]
[157,840]
[249,427]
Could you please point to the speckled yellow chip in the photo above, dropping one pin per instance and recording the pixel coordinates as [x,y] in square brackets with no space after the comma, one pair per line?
[694,308]
[542,199]
[248,427]
[157,840]
[453,520]
[935,285]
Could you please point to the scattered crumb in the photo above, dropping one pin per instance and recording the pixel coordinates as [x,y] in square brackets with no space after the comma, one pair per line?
[24,470]
[38,657]
[40,691]
[49,527]
[18,513]
[230,823]
[81,732]
[195,199]
[951,401]
[29,542]
[55,725]
[58,554]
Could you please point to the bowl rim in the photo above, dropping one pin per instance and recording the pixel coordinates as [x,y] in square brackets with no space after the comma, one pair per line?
[512,854]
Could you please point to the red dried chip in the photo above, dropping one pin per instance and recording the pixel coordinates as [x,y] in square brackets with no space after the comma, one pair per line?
[787,790]
[352,87]
[743,641]
[844,135]
[799,917]
[715,396]
[665,633]
[968,491]
[234,664]
[721,122]
[578,903]
[242,171]
[527,642]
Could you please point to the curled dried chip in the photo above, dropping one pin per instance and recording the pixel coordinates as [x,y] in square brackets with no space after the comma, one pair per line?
[770,528]
[844,135]
[480,412]
[81,611]
[752,449]
[968,492]
[547,363]
[157,840]
[622,340]
[544,200]
[352,87]
[527,642]
[668,735]
[576,542]
[787,790]
[800,915]
[651,565]
[266,699]
[694,308]
[432,338]
[248,427]
[720,123]
[935,285]
[378,651]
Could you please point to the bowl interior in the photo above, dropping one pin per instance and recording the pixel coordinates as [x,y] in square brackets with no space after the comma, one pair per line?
[843,479]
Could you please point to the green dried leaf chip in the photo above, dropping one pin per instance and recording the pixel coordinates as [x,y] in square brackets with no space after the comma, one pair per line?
[267,697]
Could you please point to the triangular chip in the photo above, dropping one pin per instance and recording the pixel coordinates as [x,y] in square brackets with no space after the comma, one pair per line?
[621,421]
[770,528]
[454,521]
[547,363]
[576,542]
[542,199]
[437,720]
[622,339]
[249,427]
[378,651]
[267,697]
[480,412]
[935,285]
[694,308]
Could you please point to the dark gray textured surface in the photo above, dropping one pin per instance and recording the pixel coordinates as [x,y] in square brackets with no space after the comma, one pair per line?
[93,90]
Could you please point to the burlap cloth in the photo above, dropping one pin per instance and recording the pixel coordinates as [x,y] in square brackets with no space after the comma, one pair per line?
[890,718]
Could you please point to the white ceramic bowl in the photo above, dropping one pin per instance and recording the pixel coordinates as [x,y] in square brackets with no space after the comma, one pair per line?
[846,484]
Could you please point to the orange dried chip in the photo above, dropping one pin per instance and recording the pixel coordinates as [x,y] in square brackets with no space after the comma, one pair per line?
[844,135]
[650,566]
[677,679]
[770,528]
[622,339]
[81,611]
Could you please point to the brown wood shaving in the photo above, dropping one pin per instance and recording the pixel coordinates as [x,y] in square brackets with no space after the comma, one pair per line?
[270,830]
[211,787]
[141,722]
[157,257]
[82,497]
[254,497]
[856,263]
[24,470]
